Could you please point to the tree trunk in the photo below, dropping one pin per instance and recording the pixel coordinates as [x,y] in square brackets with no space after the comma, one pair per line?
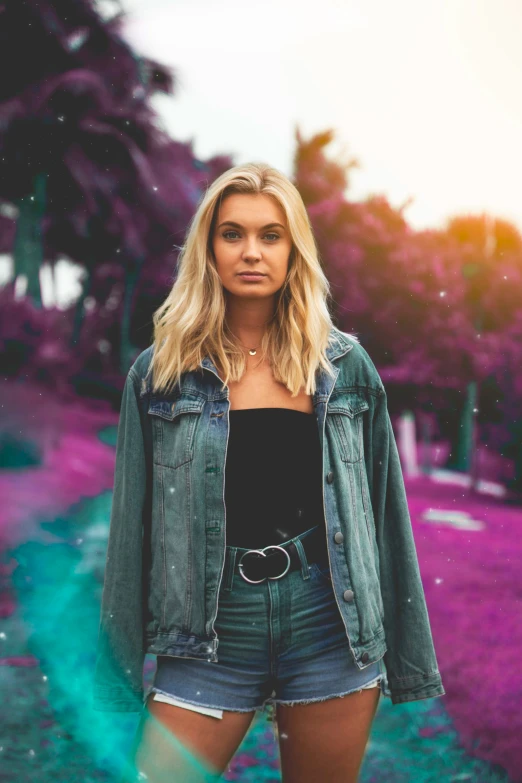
[28,244]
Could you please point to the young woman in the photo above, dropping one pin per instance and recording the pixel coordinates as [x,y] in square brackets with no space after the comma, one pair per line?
[260,541]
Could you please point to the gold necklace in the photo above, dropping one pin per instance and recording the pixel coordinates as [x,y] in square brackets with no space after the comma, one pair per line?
[251,351]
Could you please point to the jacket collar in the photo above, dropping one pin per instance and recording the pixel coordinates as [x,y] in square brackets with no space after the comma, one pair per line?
[339,344]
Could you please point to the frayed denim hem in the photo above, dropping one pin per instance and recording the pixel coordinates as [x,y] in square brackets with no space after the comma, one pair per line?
[205,706]
[268,706]
[372,684]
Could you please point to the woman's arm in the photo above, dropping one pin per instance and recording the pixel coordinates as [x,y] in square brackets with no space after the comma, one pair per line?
[118,683]
[410,659]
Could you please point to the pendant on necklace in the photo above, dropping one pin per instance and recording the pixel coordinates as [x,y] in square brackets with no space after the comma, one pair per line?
[252,352]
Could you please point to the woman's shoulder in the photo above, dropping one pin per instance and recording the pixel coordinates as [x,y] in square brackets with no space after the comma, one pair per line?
[357,367]
[141,363]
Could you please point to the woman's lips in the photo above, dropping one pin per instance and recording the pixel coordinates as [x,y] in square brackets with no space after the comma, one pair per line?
[252,276]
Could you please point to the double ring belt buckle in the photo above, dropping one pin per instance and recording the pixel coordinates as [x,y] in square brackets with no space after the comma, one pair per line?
[261,553]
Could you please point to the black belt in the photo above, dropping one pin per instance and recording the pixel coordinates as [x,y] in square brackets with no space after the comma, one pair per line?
[276,560]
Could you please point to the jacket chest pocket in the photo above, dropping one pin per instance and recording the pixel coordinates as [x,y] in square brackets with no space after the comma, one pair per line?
[345,419]
[174,424]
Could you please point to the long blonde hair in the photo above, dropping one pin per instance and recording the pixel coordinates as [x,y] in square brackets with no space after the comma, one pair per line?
[190,324]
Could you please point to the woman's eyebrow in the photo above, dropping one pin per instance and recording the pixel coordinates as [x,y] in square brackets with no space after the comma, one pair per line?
[238,225]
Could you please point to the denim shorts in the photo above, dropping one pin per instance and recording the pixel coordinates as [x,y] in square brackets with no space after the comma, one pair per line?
[282,641]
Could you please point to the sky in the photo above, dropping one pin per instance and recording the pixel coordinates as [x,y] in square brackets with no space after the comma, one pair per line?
[425,95]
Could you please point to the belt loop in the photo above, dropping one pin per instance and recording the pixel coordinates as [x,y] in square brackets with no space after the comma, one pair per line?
[231,564]
[305,571]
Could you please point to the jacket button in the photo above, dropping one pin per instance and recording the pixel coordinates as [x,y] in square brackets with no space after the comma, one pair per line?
[364,657]
[338,538]
[348,595]
[329,477]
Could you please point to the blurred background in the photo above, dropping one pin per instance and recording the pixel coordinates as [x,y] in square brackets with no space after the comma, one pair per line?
[400,124]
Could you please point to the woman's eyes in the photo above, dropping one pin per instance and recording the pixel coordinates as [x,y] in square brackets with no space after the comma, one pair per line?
[270,234]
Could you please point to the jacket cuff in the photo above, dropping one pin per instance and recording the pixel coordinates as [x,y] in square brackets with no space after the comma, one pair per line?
[415,688]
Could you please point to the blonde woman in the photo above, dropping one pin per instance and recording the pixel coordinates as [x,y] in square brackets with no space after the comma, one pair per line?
[260,542]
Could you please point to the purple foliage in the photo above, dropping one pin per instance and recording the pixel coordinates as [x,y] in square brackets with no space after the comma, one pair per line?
[75,461]
[473,590]
[119,191]
[35,344]
[65,34]
[114,180]
[414,298]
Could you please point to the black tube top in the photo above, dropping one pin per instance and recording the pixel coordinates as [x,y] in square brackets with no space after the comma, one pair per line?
[273,476]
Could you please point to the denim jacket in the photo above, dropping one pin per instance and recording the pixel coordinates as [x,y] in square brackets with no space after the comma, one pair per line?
[166,546]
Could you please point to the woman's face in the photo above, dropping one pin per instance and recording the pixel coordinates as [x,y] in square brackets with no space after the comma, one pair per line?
[251,235]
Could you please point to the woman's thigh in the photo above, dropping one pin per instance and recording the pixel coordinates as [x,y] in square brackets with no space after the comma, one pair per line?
[326,740]
[174,744]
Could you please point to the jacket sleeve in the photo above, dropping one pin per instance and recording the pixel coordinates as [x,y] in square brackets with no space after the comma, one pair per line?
[118,683]
[410,660]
